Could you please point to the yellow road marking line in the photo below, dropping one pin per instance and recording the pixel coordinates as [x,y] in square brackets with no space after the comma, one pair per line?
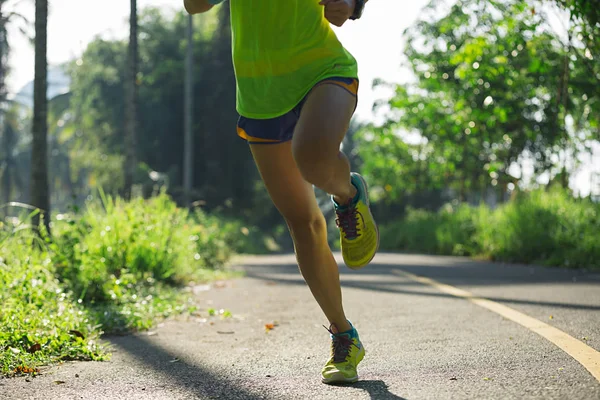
[584,354]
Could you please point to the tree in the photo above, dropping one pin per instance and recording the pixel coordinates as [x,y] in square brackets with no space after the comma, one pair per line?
[222,165]
[8,113]
[584,45]
[15,156]
[3,53]
[6,17]
[490,78]
[132,100]
[583,9]
[188,150]
[39,151]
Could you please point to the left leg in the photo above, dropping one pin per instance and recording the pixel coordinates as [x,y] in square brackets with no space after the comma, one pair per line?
[322,126]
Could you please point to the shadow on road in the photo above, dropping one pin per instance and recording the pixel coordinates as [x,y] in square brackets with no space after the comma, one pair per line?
[457,274]
[195,379]
[377,389]
[206,384]
[455,271]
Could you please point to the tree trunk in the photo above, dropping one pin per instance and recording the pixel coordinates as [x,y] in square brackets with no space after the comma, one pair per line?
[8,143]
[188,145]
[39,148]
[3,56]
[564,180]
[6,184]
[4,147]
[131,103]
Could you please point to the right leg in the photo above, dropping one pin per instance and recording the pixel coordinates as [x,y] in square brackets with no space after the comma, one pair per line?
[295,200]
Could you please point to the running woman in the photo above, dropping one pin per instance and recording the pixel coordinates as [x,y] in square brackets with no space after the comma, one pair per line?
[296,94]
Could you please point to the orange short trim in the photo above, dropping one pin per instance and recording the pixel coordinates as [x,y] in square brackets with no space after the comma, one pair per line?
[352,87]
[281,129]
[242,133]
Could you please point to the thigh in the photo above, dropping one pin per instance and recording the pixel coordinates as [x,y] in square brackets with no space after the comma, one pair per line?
[292,195]
[325,117]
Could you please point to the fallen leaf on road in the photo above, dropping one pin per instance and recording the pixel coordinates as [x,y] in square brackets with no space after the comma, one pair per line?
[76,375]
[453,379]
[59,382]
[552,317]
[487,379]
[26,370]
[268,327]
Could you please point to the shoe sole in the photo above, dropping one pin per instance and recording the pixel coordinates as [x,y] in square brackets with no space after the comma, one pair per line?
[355,267]
[339,380]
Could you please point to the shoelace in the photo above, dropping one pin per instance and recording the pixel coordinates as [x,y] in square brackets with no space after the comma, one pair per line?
[347,221]
[340,345]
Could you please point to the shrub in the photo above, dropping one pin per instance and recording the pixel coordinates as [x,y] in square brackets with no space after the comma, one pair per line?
[544,227]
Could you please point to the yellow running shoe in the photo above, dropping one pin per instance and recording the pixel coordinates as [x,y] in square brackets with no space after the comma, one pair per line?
[359,236]
[346,352]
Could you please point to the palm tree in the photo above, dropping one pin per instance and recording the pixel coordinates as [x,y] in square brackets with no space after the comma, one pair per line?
[3,52]
[6,137]
[188,166]
[131,103]
[8,125]
[10,179]
[39,148]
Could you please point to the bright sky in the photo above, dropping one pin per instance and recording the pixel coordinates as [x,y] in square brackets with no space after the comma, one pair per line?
[375,40]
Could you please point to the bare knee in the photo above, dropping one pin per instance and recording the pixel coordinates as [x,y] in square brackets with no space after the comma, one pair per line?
[312,226]
[314,161]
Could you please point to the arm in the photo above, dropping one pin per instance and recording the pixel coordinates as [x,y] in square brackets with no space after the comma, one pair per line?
[198,6]
[338,12]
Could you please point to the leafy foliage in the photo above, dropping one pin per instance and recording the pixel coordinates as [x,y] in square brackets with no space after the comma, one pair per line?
[114,267]
[95,119]
[549,228]
[493,86]
[584,9]
[39,317]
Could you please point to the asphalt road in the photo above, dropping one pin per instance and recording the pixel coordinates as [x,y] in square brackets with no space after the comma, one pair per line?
[421,342]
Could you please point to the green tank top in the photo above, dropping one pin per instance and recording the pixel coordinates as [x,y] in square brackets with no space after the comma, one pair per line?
[281,49]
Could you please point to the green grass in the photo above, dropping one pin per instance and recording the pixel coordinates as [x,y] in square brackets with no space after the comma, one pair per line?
[541,227]
[114,267]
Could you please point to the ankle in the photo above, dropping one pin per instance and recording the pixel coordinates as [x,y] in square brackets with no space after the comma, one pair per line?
[341,326]
[347,197]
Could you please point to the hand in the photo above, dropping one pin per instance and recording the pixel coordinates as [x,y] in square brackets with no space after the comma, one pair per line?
[338,11]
